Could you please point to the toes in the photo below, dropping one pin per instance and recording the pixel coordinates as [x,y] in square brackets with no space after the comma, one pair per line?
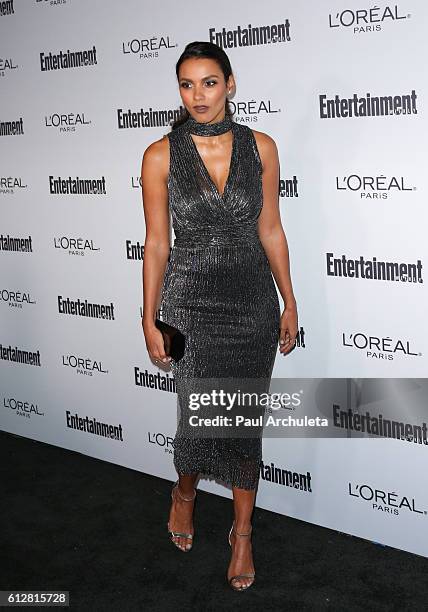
[178,542]
[185,544]
[242,583]
[182,543]
[236,584]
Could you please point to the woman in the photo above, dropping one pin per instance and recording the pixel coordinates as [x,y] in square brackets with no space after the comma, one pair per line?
[220,181]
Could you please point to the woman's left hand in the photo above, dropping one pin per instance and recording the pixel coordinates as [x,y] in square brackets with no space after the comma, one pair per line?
[288,328]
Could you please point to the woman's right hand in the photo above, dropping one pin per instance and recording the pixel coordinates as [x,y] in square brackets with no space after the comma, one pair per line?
[154,342]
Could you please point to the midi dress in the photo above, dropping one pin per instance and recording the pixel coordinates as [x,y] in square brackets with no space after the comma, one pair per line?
[218,290]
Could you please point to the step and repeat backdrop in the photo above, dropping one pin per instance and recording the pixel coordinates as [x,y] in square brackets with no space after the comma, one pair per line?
[85,87]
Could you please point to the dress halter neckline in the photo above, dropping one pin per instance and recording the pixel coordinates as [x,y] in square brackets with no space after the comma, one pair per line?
[209,129]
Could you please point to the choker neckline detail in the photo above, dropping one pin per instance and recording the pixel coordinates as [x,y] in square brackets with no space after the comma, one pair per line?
[209,129]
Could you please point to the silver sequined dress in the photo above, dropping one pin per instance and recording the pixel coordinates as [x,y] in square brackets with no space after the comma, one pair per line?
[219,291]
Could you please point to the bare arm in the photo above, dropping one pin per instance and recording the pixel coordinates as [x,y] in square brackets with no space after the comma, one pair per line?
[273,239]
[154,173]
[270,228]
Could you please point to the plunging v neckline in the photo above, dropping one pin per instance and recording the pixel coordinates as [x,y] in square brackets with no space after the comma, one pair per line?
[205,169]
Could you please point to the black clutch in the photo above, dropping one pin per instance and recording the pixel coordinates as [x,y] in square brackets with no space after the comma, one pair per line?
[173,339]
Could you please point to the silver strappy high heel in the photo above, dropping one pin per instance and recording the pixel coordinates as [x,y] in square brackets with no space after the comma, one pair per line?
[240,576]
[177,534]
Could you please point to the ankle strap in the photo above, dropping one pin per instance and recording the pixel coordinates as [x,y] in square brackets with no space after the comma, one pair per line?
[187,499]
[242,534]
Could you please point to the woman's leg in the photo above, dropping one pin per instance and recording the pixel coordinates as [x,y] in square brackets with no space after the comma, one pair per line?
[242,559]
[181,513]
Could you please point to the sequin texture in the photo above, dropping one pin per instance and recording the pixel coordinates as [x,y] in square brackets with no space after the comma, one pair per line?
[219,291]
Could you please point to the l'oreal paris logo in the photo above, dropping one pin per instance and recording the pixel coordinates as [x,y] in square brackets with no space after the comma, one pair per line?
[366,20]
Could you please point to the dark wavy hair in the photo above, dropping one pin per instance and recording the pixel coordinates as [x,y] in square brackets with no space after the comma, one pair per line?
[206,50]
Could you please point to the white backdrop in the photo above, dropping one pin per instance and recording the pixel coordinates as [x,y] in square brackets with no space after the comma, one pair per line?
[351,187]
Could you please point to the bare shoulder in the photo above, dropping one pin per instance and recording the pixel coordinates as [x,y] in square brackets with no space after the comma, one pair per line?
[156,155]
[264,141]
[266,145]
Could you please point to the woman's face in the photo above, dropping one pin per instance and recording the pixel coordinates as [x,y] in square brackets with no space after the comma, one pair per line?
[203,89]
